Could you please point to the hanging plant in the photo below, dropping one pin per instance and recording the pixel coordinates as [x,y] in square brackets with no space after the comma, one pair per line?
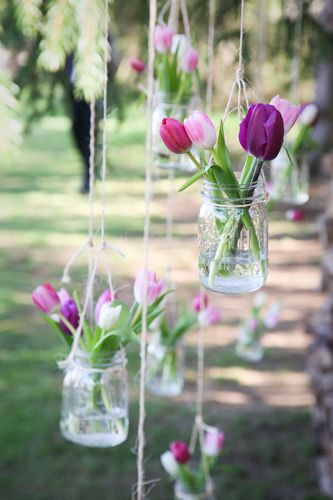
[233,220]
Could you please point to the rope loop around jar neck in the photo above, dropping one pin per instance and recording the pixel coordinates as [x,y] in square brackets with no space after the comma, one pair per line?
[84,361]
[237,197]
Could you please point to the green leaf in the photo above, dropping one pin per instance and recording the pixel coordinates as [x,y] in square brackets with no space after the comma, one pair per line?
[192,179]
[222,150]
[66,339]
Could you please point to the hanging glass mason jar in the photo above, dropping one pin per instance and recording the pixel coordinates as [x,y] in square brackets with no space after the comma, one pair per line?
[233,238]
[169,105]
[95,400]
[289,182]
[249,346]
[165,368]
[183,493]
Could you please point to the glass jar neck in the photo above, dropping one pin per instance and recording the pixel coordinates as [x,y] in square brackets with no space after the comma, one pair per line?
[99,361]
[242,195]
[173,98]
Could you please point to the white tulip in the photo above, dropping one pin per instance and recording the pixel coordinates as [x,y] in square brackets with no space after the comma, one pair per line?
[108,315]
[181,42]
[309,114]
[169,463]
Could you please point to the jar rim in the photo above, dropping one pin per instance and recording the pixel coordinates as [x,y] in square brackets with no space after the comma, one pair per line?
[229,194]
[92,360]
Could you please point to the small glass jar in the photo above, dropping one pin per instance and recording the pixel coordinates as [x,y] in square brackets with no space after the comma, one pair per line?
[249,346]
[95,400]
[289,182]
[169,106]
[183,493]
[165,368]
[233,238]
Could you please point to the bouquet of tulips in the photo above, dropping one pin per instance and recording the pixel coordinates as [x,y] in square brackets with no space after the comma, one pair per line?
[190,480]
[114,324]
[261,135]
[175,63]
[165,356]
[251,332]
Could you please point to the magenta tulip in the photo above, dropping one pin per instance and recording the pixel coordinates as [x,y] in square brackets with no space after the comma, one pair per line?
[295,214]
[45,298]
[180,451]
[200,302]
[200,130]
[190,60]
[106,297]
[261,132]
[154,286]
[209,316]
[289,112]
[213,443]
[70,312]
[174,136]
[163,38]
[137,65]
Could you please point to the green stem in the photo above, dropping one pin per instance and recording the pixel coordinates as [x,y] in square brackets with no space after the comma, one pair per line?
[193,158]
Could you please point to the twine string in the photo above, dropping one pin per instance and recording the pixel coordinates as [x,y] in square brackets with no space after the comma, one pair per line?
[210,55]
[143,340]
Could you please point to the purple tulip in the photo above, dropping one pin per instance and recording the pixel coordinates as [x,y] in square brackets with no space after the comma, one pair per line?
[190,60]
[154,286]
[104,298]
[70,312]
[163,38]
[45,298]
[137,65]
[200,130]
[209,316]
[289,112]
[261,132]
[174,136]
[200,302]
[180,451]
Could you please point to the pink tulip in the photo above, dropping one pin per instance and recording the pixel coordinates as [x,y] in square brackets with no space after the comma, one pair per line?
[64,295]
[154,286]
[137,65]
[163,38]
[200,130]
[200,302]
[289,112]
[190,60]
[106,297]
[180,451]
[253,324]
[213,443]
[45,298]
[295,215]
[209,316]
[174,136]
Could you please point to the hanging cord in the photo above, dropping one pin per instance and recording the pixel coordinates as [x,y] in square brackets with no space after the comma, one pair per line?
[261,44]
[173,15]
[295,67]
[239,81]
[186,20]
[140,494]
[210,55]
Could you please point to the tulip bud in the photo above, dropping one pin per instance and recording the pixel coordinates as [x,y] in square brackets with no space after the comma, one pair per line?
[261,132]
[309,114]
[154,286]
[169,463]
[253,324]
[295,215]
[200,130]
[209,316]
[174,136]
[289,112]
[105,298]
[190,60]
[45,298]
[70,312]
[163,38]
[213,443]
[200,302]
[137,65]
[108,316]
[180,44]
[180,452]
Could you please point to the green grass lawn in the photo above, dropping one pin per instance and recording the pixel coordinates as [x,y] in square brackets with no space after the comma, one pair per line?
[269,450]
